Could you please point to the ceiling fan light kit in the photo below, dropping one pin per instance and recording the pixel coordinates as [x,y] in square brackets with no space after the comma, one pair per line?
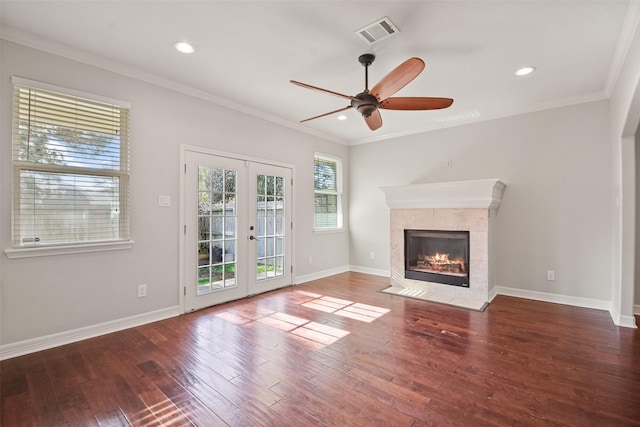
[368,103]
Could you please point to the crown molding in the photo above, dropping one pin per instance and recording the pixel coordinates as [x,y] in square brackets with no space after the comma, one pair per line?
[20,37]
[629,28]
[543,106]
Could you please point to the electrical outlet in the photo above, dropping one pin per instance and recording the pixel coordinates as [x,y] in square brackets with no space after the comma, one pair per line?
[372,255]
[142,291]
[551,275]
[310,260]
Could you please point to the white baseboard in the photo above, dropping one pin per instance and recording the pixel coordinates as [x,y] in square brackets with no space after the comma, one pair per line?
[626,321]
[622,320]
[493,292]
[367,270]
[619,320]
[549,297]
[20,348]
[320,274]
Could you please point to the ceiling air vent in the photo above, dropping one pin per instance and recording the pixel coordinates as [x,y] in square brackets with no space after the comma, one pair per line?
[379,30]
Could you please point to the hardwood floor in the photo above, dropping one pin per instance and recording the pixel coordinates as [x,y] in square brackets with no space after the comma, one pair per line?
[336,352]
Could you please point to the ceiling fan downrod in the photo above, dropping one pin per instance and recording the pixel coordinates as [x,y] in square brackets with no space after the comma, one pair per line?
[366,103]
[366,60]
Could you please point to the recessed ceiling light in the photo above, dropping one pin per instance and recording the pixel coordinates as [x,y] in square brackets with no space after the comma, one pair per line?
[525,70]
[184,47]
[343,117]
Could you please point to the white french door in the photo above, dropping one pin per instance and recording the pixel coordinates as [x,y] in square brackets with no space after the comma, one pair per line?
[270,227]
[237,238]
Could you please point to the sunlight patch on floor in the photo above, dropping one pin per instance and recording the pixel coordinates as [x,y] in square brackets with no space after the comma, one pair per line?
[314,334]
[345,308]
[164,413]
[233,318]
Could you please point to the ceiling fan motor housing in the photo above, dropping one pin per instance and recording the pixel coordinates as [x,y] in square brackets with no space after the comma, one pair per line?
[366,103]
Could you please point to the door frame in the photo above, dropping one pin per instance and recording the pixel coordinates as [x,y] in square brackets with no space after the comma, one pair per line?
[184,148]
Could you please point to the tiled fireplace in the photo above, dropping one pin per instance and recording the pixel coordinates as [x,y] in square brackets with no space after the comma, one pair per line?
[435,209]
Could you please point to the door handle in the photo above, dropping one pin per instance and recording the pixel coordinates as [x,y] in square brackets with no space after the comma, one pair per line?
[252,238]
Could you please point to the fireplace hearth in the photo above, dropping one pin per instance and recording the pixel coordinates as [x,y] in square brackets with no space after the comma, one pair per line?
[437,256]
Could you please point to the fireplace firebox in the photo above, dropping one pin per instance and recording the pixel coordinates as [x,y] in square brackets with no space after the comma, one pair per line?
[437,256]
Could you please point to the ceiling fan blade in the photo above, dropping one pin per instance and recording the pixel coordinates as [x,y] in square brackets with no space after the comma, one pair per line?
[415,103]
[398,78]
[323,90]
[325,114]
[374,121]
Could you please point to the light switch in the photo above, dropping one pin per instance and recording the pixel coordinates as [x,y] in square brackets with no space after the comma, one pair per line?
[164,201]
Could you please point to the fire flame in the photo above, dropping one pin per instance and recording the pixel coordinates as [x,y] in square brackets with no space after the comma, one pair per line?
[442,262]
[442,257]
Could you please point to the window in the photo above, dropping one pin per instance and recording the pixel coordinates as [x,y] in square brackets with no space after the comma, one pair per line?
[70,166]
[327,176]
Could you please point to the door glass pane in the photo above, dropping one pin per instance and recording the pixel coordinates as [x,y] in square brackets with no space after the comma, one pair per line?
[203,254]
[230,226]
[229,204]
[270,227]
[270,246]
[279,266]
[216,229]
[279,245]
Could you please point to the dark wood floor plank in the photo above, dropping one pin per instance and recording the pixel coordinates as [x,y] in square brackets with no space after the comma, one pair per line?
[100,397]
[17,410]
[44,393]
[317,404]
[296,414]
[336,351]
[394,396]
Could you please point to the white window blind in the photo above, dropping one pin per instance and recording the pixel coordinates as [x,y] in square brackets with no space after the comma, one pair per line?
[71,167]
[327,174]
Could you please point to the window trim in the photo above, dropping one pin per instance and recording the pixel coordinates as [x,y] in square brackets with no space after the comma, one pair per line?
[79,247]
[38,251]
[338,193]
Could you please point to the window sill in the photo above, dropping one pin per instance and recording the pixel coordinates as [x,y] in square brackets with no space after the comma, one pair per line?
[66,250]
[328,230]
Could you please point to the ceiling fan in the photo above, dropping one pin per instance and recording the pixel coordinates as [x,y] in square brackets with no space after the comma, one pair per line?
[368,102]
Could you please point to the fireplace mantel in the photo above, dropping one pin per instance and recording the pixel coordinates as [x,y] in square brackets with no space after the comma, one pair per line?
[481,193]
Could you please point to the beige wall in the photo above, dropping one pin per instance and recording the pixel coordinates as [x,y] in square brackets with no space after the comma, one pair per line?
[47,295]
[625,118]
[555,212]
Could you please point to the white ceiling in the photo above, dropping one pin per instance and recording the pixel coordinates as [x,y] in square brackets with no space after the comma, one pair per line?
[247,51]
